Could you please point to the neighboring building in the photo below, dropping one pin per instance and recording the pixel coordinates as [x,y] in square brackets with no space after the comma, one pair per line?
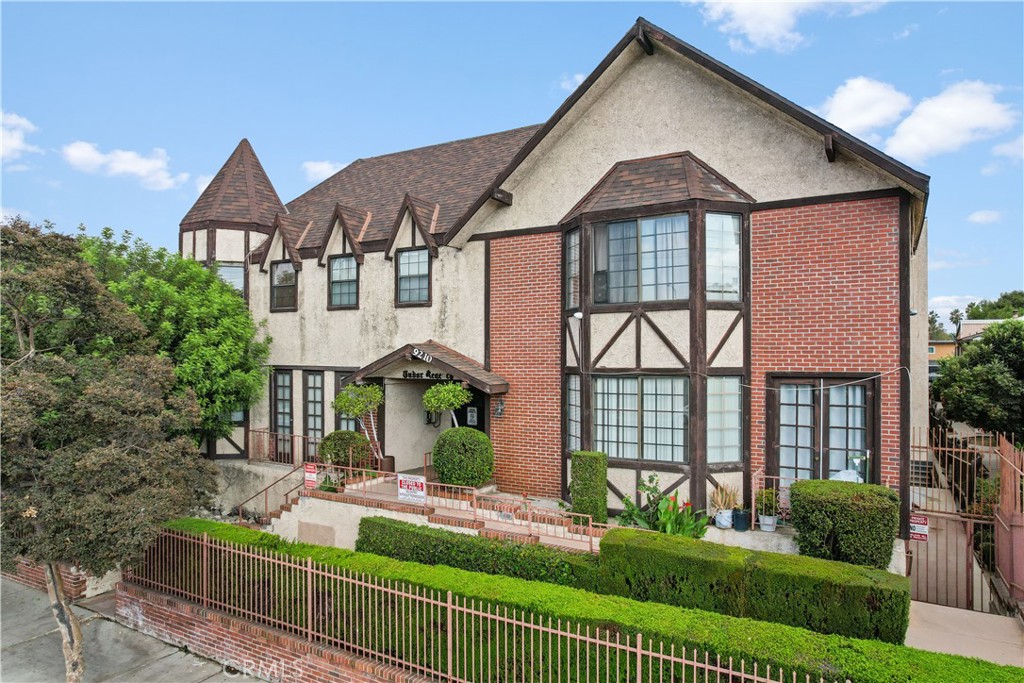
[937,350]
[969,330]
[680,268]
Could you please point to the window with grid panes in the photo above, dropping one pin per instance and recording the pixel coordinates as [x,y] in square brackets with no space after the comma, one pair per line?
[283,287]
[722,256]
[314,411]
[413,276]
[572,413]
[283,401]
[642,260]
[340,421]
[344,285]
[572,269]
[724,429]
[643,418]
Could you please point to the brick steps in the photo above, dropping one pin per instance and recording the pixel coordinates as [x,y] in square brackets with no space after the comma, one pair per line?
[509,536]
[549,518]
[461,522]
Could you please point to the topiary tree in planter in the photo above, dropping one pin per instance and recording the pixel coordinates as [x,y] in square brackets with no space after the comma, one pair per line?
[463,456]
[360,401]
[448,396]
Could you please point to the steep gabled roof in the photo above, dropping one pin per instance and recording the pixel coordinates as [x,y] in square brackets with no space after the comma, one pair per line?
[352,222]
[461,367]
[451,174]
[657,180]
[292,232]
[647,36]
[424,221]
[241,192]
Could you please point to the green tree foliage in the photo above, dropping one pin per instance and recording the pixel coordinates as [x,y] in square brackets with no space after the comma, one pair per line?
[360,402]
[198,321]
[463,456]
[955,318]
[1008,305]
[984,385]
[935,329]
[97,445]
[448,396]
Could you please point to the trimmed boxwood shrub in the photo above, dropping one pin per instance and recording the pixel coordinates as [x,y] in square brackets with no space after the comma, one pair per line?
[463,456]
[803,652]
[415,543]
[823,596]
[589,485]
[845,521]
[335,447]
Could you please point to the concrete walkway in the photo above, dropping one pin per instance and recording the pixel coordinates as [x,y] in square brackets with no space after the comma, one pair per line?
[961,632]
[30,647]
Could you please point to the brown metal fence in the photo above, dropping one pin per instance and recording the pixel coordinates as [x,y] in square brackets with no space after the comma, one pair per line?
[288,449]
[434,633]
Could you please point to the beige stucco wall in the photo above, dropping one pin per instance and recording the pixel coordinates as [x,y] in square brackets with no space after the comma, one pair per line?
[645,106]
[731,355]
[200,252]
[919,334]
[408,437]
[675,325]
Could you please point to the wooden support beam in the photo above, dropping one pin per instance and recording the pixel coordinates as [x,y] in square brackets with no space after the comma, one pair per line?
[503,196]
[830,148]
[644,40]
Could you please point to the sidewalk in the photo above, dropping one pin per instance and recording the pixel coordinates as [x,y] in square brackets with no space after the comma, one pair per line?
[962,632]
[30,647]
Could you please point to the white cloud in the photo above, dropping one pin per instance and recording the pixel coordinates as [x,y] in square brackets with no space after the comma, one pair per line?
[905,33]
[985,216]
[990,169]
[962,113]
[13,130]
[320,170]
[202,182]
[944,304]
[756,26]
[862,105]
[1014,149]
[570,83]
[152,171]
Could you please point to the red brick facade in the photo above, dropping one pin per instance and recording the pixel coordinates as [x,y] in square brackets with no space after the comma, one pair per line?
[32,575]
[525,338]
[825,297]
[250,648]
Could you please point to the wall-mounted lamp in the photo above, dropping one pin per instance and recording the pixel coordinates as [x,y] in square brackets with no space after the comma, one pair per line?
[499,407]
[913,311]
[578,315]
[432,418]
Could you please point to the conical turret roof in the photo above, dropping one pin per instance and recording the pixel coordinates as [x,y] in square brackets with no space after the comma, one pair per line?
[240,193]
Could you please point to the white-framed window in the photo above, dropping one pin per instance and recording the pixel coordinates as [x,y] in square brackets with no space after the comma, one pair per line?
[646,259]
[659,431]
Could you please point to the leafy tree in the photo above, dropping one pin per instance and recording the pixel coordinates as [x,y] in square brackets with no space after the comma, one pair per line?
[935,328]
[97,452]
[984,386]
[360,402]
[198,321]
[448,396]
[1008,305]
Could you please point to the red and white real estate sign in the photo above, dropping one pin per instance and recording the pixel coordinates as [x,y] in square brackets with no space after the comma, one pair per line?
[412,489]
[918,527]
[310,475]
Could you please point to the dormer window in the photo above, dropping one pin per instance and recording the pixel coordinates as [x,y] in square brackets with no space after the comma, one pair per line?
[343,284]
[412,277]
[283,287]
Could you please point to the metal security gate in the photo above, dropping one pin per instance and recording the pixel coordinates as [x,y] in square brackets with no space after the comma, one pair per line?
[954,497]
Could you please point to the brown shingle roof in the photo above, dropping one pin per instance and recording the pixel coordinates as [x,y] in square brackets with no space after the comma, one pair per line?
[657,180]
[440,356]
[451,174]
[239,193]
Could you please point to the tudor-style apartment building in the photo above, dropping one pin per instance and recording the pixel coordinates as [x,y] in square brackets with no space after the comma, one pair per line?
[680,268]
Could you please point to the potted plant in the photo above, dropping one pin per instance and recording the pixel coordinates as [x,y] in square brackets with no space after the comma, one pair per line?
[767,503]
[723,500]
[740,519]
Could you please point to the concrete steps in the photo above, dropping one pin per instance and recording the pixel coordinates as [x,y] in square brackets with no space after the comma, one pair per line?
[460,522]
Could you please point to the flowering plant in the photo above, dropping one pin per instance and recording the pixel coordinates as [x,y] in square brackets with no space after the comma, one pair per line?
[681,520]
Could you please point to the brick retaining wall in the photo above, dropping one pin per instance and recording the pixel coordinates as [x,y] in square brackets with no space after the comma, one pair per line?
[32,575]
[255,650]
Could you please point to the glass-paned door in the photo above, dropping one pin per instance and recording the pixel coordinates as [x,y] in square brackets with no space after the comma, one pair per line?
[796,432]
[314,413]
[283,415]
[848,430]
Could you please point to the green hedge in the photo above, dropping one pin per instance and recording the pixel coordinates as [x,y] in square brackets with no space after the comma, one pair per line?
[823,596]
[845,521]
[346,448]
[415,543]
[806,653]
[463,456]
[589,486]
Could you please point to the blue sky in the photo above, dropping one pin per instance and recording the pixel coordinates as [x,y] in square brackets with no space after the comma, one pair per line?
[115,114]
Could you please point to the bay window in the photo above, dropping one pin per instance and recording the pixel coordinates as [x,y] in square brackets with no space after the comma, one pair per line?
[642,260]
[572,269]
[722,256]
[572,413]
[645,418]
[724,430]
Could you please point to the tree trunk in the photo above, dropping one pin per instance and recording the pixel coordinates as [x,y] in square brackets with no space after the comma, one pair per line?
[67,623]
[455,420]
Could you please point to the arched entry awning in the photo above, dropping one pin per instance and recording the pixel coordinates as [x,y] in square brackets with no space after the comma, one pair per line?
[432,361]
